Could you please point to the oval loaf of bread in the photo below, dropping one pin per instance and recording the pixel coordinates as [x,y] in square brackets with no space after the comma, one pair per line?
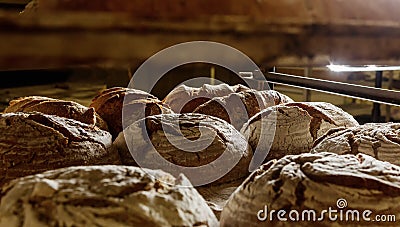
[185,99]
[238,108]
[187,140]
[380,140]
[110,104]
[103,196]
[61,108]
[297,186]
[292,128]
[33,142]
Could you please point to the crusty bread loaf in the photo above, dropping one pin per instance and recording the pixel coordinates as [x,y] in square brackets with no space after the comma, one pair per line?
[293,127]
[238,108]
[33,142]
[138,104]
[61,108]
[103,196]
[380,140]
[185,99]
[187,140]
[316,182]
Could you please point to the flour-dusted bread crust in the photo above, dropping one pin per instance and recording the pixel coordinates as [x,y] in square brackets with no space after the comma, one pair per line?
[185,99]
[292,128]
[33,142]
[61,108]
[138,104]
[103,196]
[380,140]
[316,182]
[204,139]
[238,108]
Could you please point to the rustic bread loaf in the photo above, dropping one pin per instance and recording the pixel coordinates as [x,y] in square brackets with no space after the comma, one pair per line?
[103,196]
[138,104]
[315,182]
[33,142]
[293,127]
[185,99]
[61,108]
[187,140]
[238,108]
[380,140]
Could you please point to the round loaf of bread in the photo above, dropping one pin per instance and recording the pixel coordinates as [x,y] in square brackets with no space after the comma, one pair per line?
[238,108]
[380,140]
[33,142]
[61,108]
[103,196]
[206,149]
[185,99]
[303,188]
[292,128]
[138,104]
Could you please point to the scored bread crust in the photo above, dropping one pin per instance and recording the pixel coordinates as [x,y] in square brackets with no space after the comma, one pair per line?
[103,196]
[185,99]
[238,108]
[292,128]
[157,132]
[110,103]
[380,140]
[315,182]
[33,142]
[61,108]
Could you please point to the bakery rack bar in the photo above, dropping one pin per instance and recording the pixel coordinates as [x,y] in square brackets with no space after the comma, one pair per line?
[377,95]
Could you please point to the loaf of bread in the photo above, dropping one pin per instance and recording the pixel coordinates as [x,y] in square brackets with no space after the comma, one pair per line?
[307,183]
[103,196]
[185,99]
[292,128]
[380,140]
[61,108]
[110,104]
[238,108]
[33,142]
[187,140]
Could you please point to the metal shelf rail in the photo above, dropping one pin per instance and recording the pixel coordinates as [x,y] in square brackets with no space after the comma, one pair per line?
[375,94]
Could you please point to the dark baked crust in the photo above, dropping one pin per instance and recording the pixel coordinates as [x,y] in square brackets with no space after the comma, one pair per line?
[380,140]
[316,182]
[110,102]
[238,108]
[33,142]
[185,99]
[159,128]
[103,196]
[61,108]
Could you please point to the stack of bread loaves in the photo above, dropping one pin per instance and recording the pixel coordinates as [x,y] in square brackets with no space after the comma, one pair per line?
[64,164]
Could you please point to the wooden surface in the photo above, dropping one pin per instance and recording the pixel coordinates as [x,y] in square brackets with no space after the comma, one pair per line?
[343,32]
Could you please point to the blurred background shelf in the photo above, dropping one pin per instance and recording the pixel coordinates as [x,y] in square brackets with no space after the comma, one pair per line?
[344,32]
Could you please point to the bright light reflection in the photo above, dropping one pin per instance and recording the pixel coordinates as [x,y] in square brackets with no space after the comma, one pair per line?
[364,68]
